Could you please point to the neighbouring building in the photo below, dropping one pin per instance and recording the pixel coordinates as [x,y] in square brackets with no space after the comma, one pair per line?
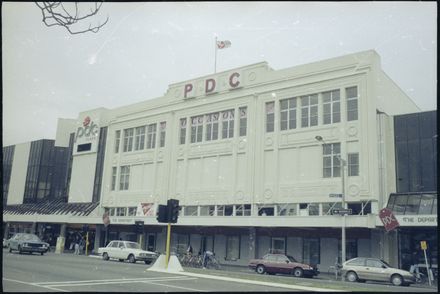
[239,150]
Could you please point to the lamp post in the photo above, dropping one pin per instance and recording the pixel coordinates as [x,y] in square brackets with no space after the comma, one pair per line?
[343,164]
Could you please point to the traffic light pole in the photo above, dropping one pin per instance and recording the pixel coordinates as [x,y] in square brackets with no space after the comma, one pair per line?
[168,245]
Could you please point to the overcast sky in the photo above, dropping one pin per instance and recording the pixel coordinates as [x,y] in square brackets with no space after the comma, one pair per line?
[50,74]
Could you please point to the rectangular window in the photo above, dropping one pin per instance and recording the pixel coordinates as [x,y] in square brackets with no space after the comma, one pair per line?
[163,129]
[114,170]
[243,120]
[352,103]
[232,248]
[351,249]
[243,210]
[117,140]
[151,136]
[128,139]
[211,210]
[220,210]
[331,160]
[204,210]
[313,209]
[286,209]
[182,130]
[328,207]
[139,141]
[309,110]
[121,211]
[426,204]
[412,206]
[311,251]
[196,128]
[332,107]
[191,211]
[132,211]
[124,177]
[228,124]
[111,211]
[288,114]
[212,126]
[278,246]
[229,209]
[270,116]
[353,164]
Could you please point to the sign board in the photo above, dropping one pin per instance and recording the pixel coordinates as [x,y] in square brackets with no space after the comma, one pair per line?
[145,209]
[388,219]
[106,219]
[87,135]
[335,195]
[341,211]
[423,245]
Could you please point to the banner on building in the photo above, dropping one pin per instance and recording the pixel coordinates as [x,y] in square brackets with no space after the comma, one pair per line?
[145,209]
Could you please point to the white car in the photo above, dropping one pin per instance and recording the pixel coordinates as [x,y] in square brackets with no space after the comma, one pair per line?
[126,250]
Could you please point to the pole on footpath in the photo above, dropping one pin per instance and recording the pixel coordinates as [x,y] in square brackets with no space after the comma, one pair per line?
[424,247]
[87,241]
[168,245]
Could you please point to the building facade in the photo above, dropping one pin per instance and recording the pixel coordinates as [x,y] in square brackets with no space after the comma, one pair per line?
[239,149]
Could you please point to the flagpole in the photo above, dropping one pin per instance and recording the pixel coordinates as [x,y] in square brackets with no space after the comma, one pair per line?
[215,59]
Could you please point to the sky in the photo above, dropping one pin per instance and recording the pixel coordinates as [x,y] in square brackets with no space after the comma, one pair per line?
[50,74]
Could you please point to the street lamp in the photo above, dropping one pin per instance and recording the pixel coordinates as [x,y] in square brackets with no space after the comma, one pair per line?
[343,163]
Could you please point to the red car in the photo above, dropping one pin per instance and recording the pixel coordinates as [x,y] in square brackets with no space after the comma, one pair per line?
[282,264]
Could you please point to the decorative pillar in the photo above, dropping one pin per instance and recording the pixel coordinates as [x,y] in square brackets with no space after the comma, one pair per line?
[61,240]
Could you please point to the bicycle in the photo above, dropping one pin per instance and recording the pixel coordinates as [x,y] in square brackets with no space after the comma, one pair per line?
[213,263]
[335,270]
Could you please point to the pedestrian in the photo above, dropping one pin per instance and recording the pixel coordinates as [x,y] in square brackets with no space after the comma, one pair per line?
[189,250]
[82,244]
[207,256]
[76,248]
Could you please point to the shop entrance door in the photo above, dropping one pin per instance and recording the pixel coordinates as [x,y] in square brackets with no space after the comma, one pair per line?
[151,242]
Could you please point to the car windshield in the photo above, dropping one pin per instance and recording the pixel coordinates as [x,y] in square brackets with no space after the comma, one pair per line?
[384,262]
[30,237]
[291,258]
[132,245]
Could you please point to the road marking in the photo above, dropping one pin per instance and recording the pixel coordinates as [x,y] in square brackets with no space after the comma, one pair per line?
[109,280]
[124,281]
[179,287]
[33,284]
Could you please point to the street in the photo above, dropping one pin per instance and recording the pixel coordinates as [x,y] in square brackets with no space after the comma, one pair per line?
[70,273]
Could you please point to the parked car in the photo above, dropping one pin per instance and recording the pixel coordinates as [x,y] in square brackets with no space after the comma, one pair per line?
[126,250]
[361,269]
[23,242]
[285,264]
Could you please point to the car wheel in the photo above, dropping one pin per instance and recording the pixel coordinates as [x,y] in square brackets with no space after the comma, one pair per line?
[105,256]
[260,269]
[298,272]
[121,260]
[131,258]
[42,253]
[352,277]
[397,280]
[147,261]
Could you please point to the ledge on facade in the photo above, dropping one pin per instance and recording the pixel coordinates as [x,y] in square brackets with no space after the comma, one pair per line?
[51,207]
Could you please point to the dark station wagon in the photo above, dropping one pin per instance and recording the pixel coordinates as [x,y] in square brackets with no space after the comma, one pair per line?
[282,264]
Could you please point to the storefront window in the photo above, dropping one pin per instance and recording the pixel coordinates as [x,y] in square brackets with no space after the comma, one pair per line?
[311,251]
[232,247]
[351,249]
[278,245]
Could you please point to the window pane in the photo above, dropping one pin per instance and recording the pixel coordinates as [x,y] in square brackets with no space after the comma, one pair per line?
[413,203]
[426,204]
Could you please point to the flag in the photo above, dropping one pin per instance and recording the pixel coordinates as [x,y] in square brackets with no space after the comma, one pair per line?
[223,44]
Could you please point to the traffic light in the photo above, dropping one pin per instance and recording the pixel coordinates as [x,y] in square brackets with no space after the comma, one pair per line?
[173,210]
[161,214]
[139,227]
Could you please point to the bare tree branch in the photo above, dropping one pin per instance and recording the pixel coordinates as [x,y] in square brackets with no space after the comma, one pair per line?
[56,14]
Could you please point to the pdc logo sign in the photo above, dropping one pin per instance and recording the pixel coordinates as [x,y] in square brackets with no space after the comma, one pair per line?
[88,132]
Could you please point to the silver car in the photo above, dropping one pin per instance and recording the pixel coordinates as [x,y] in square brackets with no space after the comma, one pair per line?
[23,242]
[361,269]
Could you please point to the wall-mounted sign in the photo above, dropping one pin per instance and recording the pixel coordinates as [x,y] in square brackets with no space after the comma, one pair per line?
[388,219]
[212,85]
[86,135]
[145,209]
[417,220]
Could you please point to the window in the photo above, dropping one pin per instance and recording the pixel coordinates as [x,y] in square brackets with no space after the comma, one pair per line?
[163,127]
[412,206]
[373,263]
[191,211]
[229,209]
[270,116]
[228,124]
[243,210]
[288,114]
[211,210]
[220,210]
[311,248]
[357,261]
[266,210]
[313,209]
[111,211]
[331,160]
[151,136]
[212,126]
[351,249]
[400,204]
[113,184]
[332,107]
[232,247]
[117,141]
[243,120]
[121,211]
[353,164]
[182,243]
[204,210]
[278,246]
[309,111]
[139,138]
[196,128]
[132,211]
[124,177]
[286,209]
[182,130]
[128,139]
[352,103]
[328,207]
[426,204]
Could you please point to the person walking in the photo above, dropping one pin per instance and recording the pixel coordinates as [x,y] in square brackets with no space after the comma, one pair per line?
[76,248]
[206,257]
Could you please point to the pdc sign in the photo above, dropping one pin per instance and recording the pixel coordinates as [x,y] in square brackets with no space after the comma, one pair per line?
[86,136]
[212,85]
[388,219]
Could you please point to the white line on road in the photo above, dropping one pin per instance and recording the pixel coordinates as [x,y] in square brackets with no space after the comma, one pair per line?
[33,284]
[121,282]
[108,280]
[179,287]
